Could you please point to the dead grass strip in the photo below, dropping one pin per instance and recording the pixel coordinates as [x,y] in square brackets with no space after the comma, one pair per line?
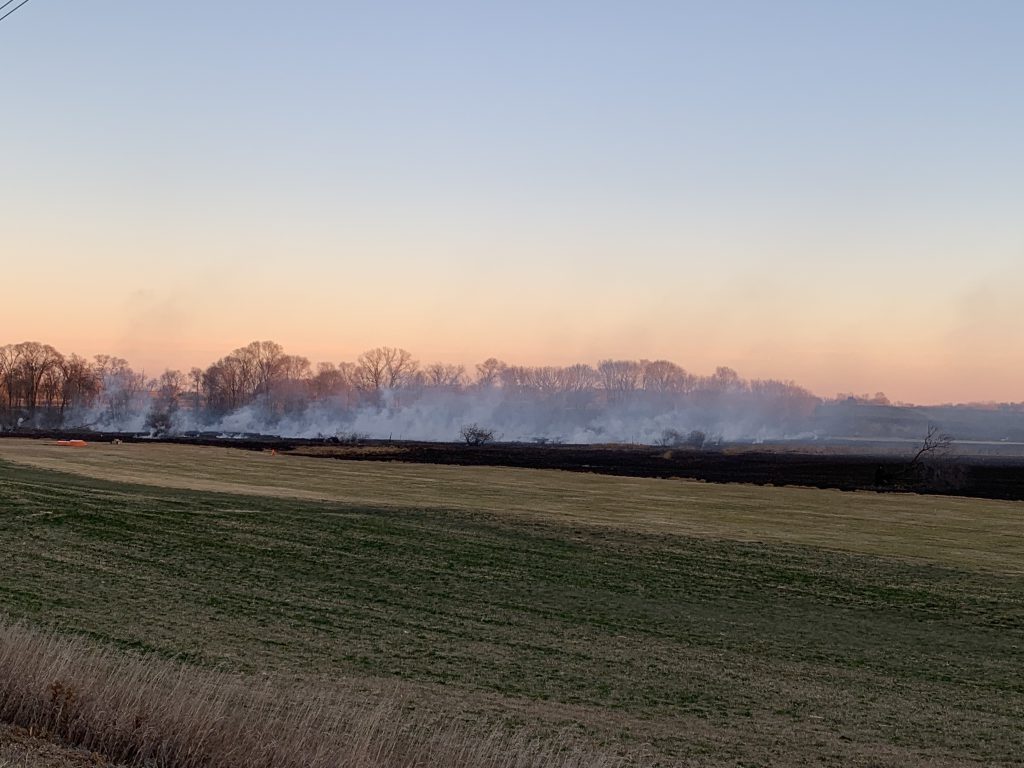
[139,711]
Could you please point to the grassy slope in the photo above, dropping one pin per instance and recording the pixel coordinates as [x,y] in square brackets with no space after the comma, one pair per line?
[965,533]
[740,651]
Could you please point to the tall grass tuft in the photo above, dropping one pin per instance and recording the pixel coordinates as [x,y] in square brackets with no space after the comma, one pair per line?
[144,711]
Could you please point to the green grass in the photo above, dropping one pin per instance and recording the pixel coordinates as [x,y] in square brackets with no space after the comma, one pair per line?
[733,652]
[962,533]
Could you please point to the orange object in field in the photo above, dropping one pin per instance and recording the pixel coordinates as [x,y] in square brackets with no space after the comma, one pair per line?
[72,443]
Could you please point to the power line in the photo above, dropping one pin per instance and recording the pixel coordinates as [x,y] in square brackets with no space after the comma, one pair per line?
[12,9]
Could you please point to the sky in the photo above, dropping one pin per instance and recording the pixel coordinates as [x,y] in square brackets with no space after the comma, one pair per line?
[820,191]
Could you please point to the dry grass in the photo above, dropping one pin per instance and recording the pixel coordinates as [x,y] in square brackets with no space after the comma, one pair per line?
[21,749]
[145,711]
[963,533]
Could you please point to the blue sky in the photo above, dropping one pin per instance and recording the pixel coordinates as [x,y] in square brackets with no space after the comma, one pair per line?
[774,186]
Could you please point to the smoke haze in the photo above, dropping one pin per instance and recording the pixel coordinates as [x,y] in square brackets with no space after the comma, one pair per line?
[387,394]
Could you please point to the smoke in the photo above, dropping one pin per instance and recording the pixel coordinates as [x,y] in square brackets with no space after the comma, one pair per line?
[260,389]
[123,405]
[426,414]
[439,415]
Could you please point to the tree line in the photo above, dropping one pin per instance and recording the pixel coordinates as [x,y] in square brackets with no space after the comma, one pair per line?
[41,387]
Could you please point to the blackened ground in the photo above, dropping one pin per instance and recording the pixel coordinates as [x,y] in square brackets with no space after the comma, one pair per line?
[994,477]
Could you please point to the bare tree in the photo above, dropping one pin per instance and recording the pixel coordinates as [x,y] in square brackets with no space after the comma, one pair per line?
[514,377]
[222,386]
[444,375]
[165,394]
[474,434]
[663,376]
[932,468]
[329,381]
[385,368]
[578,378]
[32,362]
[619,377]
[543,379]
[936,444]
[725,379]
[488,373]
[195,381]
[121,387]
[266,361]
[294,381]
[6,381]
[82,386]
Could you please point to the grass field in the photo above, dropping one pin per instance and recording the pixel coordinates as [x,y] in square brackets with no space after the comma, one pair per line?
[710,625]
[959,532]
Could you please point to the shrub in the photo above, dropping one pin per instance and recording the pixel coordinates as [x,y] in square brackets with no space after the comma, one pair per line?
[474,434]
[672,438]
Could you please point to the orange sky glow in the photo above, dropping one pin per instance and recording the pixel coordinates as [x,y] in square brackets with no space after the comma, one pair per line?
[825,193]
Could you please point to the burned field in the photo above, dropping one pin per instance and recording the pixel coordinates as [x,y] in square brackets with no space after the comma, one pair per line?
[698,623]
[983,470]
[996,476]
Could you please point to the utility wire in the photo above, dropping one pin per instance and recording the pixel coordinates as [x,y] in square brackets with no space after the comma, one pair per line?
[12,9]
